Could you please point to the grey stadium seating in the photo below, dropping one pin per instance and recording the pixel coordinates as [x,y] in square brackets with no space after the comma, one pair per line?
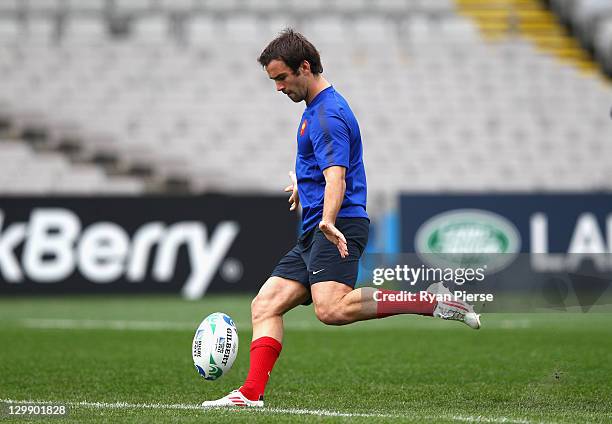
[180,92]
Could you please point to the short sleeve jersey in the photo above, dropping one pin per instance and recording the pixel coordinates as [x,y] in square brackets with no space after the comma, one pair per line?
[328,135]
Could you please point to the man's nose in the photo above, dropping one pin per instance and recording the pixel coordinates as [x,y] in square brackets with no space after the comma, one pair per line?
[279,86]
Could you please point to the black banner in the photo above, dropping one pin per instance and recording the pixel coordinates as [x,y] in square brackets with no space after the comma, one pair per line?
[192,245]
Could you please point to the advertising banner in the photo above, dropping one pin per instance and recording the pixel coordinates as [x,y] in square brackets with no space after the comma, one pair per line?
[532,223]
[191,245]
[531,251]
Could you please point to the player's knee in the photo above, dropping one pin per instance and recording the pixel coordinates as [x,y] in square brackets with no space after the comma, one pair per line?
[259,307]
[330,315]
[264,305]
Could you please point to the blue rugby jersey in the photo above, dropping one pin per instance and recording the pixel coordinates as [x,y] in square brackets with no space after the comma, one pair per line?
[328,135]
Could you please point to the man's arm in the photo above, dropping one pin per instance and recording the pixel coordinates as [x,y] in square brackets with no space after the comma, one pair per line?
[335,186]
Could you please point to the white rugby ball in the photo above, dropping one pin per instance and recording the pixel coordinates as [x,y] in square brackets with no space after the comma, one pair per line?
[215,346]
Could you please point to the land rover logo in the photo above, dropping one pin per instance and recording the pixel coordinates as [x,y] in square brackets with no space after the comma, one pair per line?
[468,238]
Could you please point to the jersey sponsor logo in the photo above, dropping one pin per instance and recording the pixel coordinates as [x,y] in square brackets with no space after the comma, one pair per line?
[468,237]
[303,127]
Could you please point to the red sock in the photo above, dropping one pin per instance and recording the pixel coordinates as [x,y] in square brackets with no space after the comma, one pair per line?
[399,303]
[264,352]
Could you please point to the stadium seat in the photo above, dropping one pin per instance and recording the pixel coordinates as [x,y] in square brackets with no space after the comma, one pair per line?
[95,7]
[220,6]
[395,6]
[417,28]
[327,30]
[242,28]
[201,30]
[10,31]
[40,30]
[132,7]
[272,25]
[349,6]
[177,6]
[151,29]
[43,7]
[437,7]
[458,30]
[264,5]
[27,171]
[373,30]
[83,30]
[9,7]
[300,6]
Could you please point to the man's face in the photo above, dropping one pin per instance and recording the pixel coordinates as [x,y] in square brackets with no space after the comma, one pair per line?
[293,85]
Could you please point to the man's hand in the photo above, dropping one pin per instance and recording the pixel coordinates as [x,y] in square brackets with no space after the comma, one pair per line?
[335,236]
[294,199]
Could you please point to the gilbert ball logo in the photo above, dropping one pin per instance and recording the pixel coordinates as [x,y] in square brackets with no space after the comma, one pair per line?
[468,238]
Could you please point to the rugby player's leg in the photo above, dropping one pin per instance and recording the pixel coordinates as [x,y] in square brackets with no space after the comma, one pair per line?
[276,297]
[339,304]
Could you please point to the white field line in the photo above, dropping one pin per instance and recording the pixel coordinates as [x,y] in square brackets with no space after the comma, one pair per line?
[91,324]
[127,325]
[510,324]
[285,411]
[122,325]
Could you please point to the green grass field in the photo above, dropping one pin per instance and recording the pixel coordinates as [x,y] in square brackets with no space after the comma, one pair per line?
[118,359]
